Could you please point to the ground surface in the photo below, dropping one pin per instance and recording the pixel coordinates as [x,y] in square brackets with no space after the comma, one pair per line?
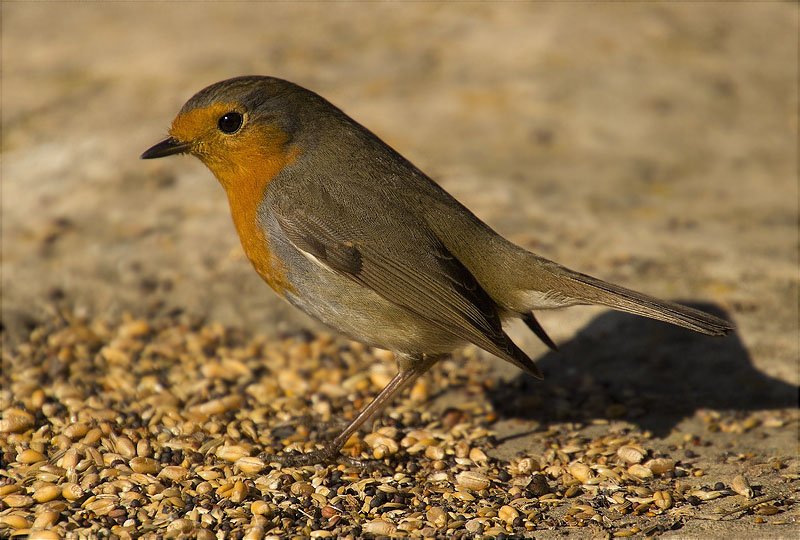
[653,145]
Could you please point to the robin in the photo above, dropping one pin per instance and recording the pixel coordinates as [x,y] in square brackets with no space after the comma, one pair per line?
[346,229]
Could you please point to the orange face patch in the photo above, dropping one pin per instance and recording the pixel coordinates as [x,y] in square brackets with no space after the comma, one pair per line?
[199,124]
[244,163]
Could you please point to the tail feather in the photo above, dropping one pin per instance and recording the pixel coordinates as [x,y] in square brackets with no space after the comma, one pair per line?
[596,291]
[537,329]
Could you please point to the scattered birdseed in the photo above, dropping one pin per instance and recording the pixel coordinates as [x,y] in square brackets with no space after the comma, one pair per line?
[154,429]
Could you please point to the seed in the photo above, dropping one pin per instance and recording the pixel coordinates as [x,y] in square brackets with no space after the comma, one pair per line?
[100,507]
[376,440]
[47,493]
[205,534]
[640,471]
[15,521]
[219,406]
[627,532]
[16,421]
[9,489]
[118,513]
[705,495]
[379,527]
[94,455]
[321,533]
[462,495]
[92,437]
[581,471]
[76,430]
[662,499]
[43,535]
[419,392]
[554,471]
[250,465]
[174,473]
[472,480]
[660,465]
[437,516]
[434,452]
[144,465]
[134,329]
[527,465]
[259,507]
[572,491]
[46,519]
[125,447]
[16,500]
[203,488]
[181,525]
[111,457]
[71,491]
[70,459]
[584,509]
[47,477]
[380,377]
[380,451]
[767,510]
[329,511]
[30,456]
[478,456]
[631,454]
[607,473]
[254,533]
[115,355]
[740,485]
[302,488]
[239,492]
[462,449]
[507,514]
[209,474]
[144,448]
[231,452]
[225,489]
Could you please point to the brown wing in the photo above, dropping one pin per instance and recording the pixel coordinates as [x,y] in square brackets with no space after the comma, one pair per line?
[388,250]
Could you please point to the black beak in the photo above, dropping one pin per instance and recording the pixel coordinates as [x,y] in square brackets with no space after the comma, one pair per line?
[167,147]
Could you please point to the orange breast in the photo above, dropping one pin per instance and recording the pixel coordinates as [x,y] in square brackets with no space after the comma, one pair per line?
[253,168]
[244,204]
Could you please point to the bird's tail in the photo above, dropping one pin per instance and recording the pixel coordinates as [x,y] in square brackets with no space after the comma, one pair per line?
[581,288]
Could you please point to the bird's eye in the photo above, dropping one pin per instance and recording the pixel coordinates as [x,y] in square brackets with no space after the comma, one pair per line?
[230,122]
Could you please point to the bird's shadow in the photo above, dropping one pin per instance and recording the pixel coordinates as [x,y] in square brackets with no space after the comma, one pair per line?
[646,372]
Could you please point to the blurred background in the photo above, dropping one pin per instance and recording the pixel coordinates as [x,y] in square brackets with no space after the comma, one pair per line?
[650,144]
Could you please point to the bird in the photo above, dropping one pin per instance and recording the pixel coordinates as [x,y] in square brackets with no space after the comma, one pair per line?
[346,229]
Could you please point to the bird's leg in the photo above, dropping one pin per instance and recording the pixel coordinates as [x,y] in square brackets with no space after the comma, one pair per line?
[409,370]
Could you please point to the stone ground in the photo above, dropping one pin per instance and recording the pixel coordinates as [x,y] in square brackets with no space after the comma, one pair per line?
[652,144]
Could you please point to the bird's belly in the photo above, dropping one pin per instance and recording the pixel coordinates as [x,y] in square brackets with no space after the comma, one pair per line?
[357,311]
